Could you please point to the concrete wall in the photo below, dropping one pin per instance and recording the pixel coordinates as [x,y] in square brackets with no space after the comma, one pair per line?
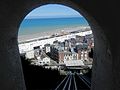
[102,16]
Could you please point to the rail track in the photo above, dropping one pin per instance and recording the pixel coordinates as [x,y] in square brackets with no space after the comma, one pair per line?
[74,81]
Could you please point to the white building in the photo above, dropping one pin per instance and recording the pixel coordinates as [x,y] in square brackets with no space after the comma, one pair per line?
[84,55]
[47,48]
[44,61]
[29,54]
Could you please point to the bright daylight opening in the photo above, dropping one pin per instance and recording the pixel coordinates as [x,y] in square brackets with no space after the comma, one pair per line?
[56,47]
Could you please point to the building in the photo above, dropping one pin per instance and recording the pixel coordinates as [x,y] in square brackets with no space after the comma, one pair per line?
[44,61]
[47,48]
[30,55]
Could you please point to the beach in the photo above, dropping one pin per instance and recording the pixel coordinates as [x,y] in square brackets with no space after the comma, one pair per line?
[38,35]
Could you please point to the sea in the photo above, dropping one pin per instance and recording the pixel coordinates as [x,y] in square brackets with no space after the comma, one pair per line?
[39,25]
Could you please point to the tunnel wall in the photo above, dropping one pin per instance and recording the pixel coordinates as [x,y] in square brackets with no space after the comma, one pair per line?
[99,14]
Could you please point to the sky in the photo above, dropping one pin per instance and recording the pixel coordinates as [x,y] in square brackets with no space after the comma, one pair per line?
[53,10]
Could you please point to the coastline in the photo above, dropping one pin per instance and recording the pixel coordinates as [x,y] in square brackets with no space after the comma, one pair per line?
[35,36]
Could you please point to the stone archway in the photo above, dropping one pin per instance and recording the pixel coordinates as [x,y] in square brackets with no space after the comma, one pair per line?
[101,42]
[12,72]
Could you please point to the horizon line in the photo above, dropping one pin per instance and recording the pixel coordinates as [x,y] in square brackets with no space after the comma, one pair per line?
[40,17]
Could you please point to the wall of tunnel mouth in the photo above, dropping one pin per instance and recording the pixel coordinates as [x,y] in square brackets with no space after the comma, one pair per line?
[102,54]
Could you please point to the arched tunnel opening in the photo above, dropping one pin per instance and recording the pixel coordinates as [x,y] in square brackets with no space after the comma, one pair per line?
[105,68]
[55,40]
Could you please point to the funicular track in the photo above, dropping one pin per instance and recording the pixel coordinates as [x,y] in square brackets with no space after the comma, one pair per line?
[74,81]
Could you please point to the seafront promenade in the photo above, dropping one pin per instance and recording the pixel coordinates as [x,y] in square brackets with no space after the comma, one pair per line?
[29,44]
